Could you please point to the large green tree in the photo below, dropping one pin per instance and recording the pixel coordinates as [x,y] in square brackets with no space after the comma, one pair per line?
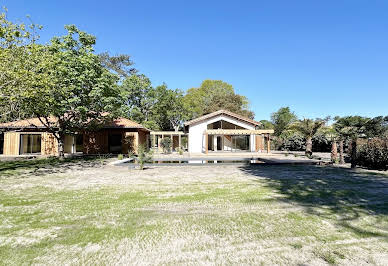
[214,95]
[282,119]
[169,108]
[139,99]
[69,90]
[19,68]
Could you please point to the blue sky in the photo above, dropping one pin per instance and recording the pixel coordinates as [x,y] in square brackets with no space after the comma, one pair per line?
[318,57]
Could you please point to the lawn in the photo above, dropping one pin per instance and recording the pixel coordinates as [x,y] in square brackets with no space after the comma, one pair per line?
[87,212]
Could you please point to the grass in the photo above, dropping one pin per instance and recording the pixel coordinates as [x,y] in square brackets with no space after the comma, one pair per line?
[200,215]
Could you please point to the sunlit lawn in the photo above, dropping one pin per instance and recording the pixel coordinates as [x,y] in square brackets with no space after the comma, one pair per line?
[94,214]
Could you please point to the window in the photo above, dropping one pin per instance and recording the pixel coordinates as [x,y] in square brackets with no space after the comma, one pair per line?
[30,143]
[240,143]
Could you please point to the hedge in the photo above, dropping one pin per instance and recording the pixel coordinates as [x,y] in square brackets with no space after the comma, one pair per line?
[373,154]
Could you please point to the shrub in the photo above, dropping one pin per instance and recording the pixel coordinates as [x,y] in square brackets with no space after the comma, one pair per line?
[143,156]
[373,154]
[321,143]
[120,157]
[295,142]
[166,145]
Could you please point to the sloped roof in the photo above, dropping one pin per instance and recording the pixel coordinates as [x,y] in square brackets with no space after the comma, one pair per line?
[35,123]
[223,112]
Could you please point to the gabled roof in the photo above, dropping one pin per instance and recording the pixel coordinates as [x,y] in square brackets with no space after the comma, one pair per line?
[223,112]
[33,123]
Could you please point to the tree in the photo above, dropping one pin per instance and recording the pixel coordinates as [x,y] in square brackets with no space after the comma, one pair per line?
[75,91]
[121,64]
[308,128]
[354,127]
[282,119]
[143,156]
[214,95]
[169,108]
[139,99]
[19,55]
[265,124]
[333,136]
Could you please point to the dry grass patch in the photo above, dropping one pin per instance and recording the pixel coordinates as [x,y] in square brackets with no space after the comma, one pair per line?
[194,215]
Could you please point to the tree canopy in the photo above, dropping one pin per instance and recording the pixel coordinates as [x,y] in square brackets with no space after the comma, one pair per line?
[281,120]
[214,95]
[62,83]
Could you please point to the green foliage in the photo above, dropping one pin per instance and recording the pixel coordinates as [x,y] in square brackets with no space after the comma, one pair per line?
[354,127]
[308,128]
[294,142]
[19,56]
[143,156]
[214,95]
[119,64]
[139,98]
[282,119]
[157,108]
[62,83]
[321,142]
[169,108]
[120,157]
[265,124]
[166,145]
[373,154]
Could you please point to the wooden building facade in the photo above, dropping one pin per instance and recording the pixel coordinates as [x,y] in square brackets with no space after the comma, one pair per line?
[29,137]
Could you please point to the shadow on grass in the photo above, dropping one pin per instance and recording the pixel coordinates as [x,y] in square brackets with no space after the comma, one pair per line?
[47,166]
[335,193]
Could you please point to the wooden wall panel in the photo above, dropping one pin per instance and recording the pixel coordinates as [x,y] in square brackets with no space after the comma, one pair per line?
[49,144]
[11,143]
[132,139]
[96,142]
[259,143]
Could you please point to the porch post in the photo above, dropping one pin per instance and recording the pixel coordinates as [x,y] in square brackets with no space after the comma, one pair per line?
[153,141]
[179,141]
[206,143]
[268,144]
[214,142]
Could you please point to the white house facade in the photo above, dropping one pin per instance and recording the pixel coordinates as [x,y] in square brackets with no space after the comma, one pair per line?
[224,131]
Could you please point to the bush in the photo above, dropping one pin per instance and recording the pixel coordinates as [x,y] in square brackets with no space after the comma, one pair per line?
[321,143]
[373,154]
[166,145]
[295,142]
[120,157]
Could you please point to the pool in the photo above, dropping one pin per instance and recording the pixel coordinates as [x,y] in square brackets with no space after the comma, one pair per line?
[195,161]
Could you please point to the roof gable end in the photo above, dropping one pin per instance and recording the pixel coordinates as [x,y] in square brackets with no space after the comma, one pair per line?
[222,112]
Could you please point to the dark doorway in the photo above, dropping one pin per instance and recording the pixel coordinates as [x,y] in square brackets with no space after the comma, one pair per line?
[219,143]
[115,143]
[1,143]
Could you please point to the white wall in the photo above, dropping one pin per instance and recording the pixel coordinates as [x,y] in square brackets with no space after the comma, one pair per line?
[196,132]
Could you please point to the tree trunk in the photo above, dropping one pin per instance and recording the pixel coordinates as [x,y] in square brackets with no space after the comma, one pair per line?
[309,147]
[341,151]
[61,147]
[334,153]
[354,153]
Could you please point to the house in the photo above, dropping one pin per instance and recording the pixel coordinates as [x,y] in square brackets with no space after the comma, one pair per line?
[221,131]
[29,136]
[224,131]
